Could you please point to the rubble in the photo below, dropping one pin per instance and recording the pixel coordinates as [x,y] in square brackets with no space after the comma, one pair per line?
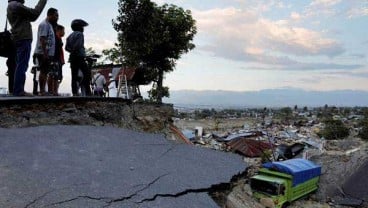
[339,159]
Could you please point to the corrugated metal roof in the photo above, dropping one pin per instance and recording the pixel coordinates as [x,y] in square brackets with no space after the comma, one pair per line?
[249,147]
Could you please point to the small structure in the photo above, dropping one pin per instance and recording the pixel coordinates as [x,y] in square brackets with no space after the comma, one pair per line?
[127,79]
[249,147]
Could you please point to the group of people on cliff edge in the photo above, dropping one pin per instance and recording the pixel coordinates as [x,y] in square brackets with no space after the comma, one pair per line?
[48,55]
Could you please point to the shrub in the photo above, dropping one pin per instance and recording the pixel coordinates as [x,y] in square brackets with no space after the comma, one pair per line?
[334,129]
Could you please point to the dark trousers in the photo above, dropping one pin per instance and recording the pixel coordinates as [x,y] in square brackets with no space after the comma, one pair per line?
[77,63]
[11,64]
[23,54]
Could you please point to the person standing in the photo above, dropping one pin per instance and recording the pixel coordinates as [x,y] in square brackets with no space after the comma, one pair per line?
[75,46]
[99,84]
[59,56]
[11,63]
[45,47]
[20,18]
[113,91]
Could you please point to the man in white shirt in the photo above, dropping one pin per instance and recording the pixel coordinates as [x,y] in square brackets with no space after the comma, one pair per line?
[45,47]
[99,83]
[113,91]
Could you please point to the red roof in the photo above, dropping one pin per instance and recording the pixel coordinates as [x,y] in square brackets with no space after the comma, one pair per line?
[106,69]
[249,147]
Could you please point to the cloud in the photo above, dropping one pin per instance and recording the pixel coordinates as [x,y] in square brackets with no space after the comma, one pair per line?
[295,16]
[324,3]
[284,63]
[98,43]
[318,8]
[349,73]
[328,8]
[242,35]
[357,12]
[358,56]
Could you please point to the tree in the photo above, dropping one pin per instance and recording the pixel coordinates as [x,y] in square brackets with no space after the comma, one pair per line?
[334,129]
[363,133]
[153,36]
[113,55]
[286,114]
[153,93]
[305,109]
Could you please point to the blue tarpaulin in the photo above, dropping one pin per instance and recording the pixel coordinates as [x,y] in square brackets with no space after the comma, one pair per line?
[301,169]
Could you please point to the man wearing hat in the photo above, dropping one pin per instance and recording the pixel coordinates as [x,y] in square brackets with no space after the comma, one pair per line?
[75,46]
[113,92]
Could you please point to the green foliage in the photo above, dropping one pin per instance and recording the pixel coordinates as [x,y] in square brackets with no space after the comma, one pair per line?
[334,129]
[285,114]
[266,156]
[363,133]
[153,36]
[113,55]
[152,94]
[90,51]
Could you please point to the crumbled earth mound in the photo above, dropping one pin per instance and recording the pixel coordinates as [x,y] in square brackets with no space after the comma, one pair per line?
[338,166]
[148,117]
[356,187]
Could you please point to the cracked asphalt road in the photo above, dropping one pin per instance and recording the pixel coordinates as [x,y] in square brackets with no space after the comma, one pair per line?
[85,166]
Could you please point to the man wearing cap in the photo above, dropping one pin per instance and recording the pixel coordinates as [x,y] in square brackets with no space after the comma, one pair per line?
[75,46]
[113,92]
[20,18]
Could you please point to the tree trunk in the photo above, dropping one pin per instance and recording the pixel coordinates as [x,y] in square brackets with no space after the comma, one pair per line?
[159,86]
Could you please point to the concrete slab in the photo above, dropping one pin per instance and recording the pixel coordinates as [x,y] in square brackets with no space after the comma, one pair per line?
[85,166]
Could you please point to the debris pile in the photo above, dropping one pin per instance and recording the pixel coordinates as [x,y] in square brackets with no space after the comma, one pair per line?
[268,138]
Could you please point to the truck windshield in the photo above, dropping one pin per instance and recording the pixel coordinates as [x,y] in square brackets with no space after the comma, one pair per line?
[266,187]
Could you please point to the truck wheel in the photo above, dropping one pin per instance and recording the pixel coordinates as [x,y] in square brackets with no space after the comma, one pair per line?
[286,204]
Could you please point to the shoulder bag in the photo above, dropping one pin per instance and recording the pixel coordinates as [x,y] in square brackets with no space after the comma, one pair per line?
[6,42]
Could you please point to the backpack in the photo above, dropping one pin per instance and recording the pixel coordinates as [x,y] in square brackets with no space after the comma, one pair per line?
[7,46]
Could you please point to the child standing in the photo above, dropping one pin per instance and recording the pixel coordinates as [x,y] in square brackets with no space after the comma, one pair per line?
[59,58]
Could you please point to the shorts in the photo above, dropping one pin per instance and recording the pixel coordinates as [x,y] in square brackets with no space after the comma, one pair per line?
[44,65]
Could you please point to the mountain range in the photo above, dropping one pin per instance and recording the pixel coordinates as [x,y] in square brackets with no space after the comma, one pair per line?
[267,98]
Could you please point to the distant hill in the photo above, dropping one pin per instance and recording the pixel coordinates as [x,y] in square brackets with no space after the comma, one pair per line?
[268,98]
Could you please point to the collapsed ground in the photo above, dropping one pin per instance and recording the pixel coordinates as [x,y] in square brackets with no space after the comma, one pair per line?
[340,160]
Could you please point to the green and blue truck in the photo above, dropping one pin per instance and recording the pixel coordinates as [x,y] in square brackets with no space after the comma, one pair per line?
[277,184]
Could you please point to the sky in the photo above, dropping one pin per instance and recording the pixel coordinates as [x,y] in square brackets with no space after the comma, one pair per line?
[245,45]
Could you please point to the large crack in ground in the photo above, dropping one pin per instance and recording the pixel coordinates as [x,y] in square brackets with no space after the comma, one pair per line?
[108,200]
[153,171]
[35,201]
[217,192]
